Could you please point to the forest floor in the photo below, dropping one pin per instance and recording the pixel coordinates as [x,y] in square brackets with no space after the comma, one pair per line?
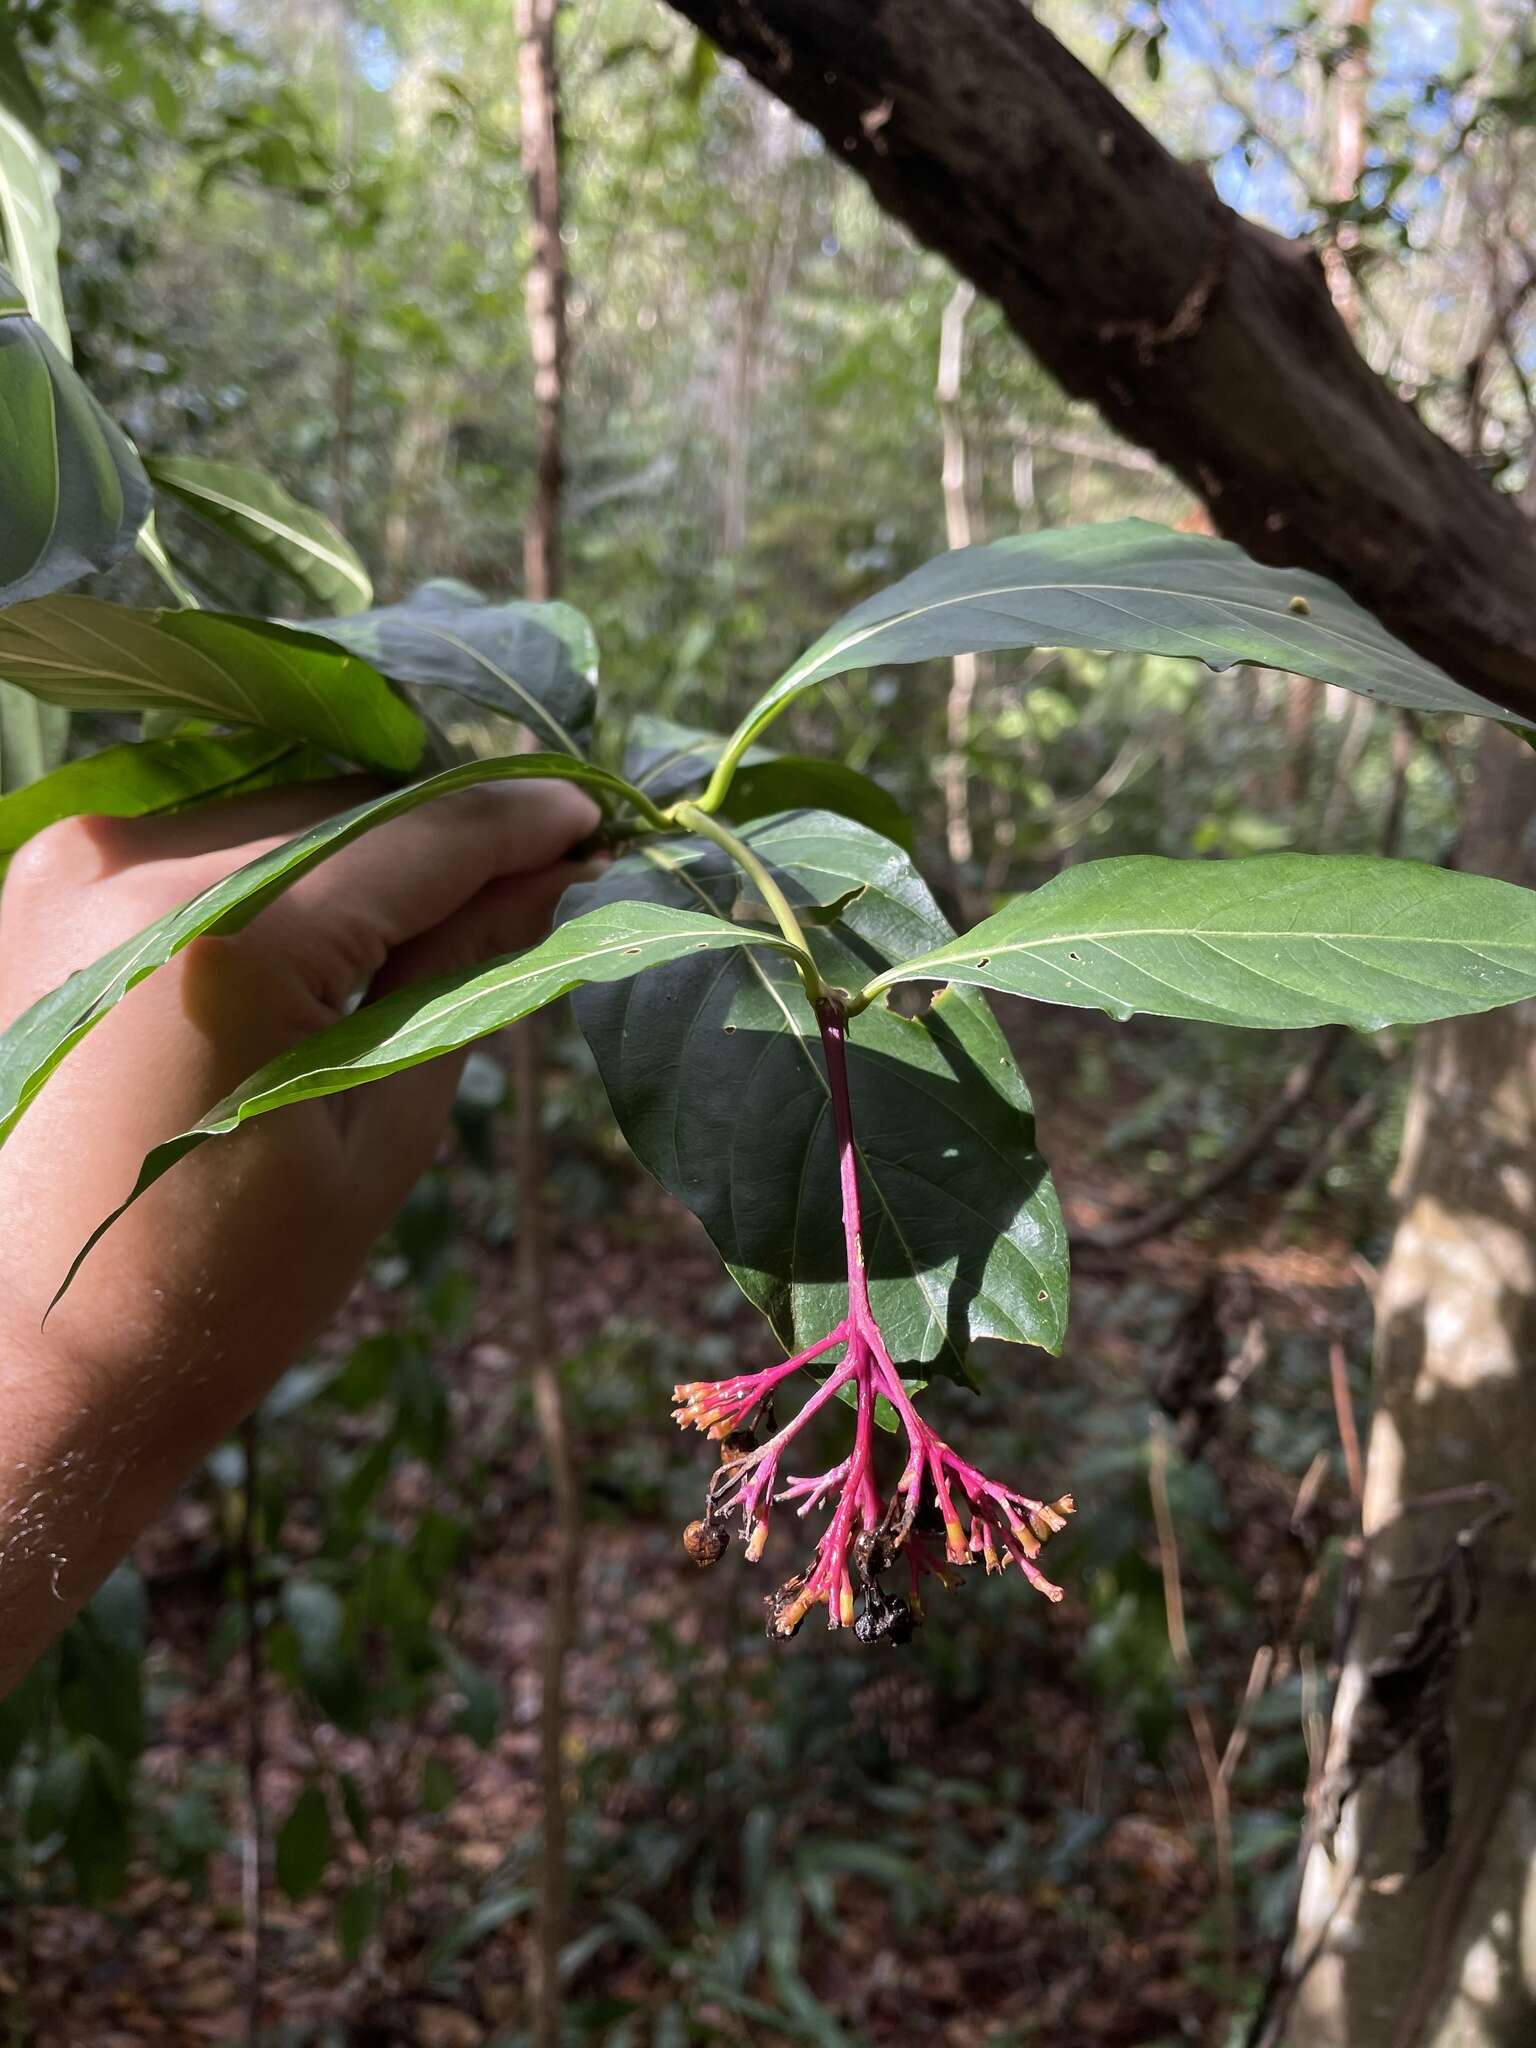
[1001,1837]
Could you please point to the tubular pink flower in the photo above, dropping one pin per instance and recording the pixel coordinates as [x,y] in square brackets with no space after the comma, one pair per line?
[980,1518]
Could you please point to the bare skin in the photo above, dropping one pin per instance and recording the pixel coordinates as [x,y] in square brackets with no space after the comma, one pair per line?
[190,1309]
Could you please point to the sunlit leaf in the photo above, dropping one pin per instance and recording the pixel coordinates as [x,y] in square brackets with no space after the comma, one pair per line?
[1125,586]
[1280,940]
[147,778]
[91,656]
[247,506]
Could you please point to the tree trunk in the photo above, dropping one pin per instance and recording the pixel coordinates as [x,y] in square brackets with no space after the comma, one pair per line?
[1199,335]
[544,298]
[1447,1958]
[959,532]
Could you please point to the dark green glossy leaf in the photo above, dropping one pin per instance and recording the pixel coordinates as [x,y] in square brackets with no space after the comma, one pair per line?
[436,1017]
[803,782]
[247,506]
[669,761]
[73,492]
[1125,586]
[34,1045]
[149,777]
[91,656]
[1284,939]
[304,1844]
[715,1073]
[533,663]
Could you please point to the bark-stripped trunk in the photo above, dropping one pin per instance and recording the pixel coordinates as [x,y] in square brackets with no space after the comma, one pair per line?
[1346,161]
[959,532]
[1447,1959]
[538,86]
[1199,335]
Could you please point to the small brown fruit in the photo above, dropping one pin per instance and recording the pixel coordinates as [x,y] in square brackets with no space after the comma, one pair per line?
[705,1543]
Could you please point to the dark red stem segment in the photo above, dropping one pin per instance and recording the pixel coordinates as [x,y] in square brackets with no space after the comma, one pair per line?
[833,1020]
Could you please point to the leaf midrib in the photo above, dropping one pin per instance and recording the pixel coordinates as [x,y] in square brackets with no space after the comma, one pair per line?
[1346,641]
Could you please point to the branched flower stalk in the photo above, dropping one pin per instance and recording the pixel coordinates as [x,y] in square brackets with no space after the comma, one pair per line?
[939,1498]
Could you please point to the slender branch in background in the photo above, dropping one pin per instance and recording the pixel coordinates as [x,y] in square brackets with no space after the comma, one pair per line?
[344,378]
[1346,161]
[959,532]
[1301,1085]
[254,1859]
[1216,1769]
[538,91]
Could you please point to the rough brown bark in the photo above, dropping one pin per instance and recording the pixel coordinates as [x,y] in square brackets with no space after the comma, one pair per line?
[1447,1958]
[1202,337]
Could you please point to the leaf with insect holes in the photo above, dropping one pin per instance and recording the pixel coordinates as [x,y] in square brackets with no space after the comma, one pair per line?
[91,656]
[42,1036]
[148,778]
[247,506]
[1126,586]
[535,664]
[424,1022]
[1280,940]
[714,1070]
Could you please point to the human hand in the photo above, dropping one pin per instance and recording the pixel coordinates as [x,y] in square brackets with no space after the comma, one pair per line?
[195,1303]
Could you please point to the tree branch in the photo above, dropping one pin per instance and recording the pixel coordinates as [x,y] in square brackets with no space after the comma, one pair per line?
[1202,337]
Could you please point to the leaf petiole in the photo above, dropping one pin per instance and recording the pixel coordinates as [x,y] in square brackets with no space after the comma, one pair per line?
[778,904]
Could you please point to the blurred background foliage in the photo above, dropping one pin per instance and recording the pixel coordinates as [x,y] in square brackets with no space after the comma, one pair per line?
[296,236]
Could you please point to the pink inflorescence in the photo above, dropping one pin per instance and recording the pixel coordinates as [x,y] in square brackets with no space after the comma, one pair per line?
[978,1518]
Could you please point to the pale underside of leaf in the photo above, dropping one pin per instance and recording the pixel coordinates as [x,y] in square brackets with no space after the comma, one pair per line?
[1271,942]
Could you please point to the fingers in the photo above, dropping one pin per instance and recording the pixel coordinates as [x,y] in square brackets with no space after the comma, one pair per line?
[234,825]
[506,915]
[419,870]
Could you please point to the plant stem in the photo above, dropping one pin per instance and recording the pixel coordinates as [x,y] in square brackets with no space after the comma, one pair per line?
[777,903]
[833,1019]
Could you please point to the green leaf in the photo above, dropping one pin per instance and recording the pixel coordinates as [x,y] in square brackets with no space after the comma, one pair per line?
[669,761]
[149,777]
[479,1714]
[714,1070]
[535,663]
[1126,586]
[357,1916]
[105,657]
[804,782]
[29,220]
[34,1045]
[439,1788]
[247,506]
[437,1017]
[304,1844]
[72,487]
[33,737]
[1283,939]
